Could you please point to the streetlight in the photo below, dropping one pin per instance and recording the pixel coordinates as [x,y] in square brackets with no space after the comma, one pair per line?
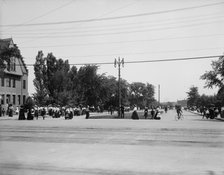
[119,62]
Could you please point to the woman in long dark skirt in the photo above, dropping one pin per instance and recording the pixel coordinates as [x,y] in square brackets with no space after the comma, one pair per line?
[10,109]
[134,115]
[22,113]
[29,114]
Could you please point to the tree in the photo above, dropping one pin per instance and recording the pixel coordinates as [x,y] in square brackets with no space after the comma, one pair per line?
[215,78]
[57,83]
[109,91]
[89,88]
[72,85]
[51,80]
[29,104]
[40,78]
[193,96]
[205,100]
[149,94]
[141,94]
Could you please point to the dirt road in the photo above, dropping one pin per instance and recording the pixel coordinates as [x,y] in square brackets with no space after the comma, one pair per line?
[112,146]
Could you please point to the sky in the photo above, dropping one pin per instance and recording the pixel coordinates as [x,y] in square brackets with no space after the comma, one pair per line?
[99,31]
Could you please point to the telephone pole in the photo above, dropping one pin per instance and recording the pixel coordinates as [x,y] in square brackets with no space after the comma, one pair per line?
[159,93]
[119,62]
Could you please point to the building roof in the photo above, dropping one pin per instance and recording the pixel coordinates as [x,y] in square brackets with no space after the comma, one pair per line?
[8,43]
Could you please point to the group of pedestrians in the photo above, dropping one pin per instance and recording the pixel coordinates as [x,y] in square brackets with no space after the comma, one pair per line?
[31,113]
[54,112]
[9,110]
[210,112]
[154,113]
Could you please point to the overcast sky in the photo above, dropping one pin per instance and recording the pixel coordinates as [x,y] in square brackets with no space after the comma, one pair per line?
[92,31]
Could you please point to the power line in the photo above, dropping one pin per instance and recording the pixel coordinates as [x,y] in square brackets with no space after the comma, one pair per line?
[115,33]
[141,53]
[114,18]
[45,14]
[142,26]
[117,26]
[146,61]
[122,7]
[130,41]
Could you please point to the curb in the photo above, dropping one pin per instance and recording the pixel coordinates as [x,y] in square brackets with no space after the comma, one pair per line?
[220,119]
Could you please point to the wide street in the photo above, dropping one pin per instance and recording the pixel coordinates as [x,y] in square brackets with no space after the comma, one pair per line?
[112,146]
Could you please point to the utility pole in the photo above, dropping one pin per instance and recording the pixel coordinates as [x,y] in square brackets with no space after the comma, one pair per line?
[119,62]
[159,93]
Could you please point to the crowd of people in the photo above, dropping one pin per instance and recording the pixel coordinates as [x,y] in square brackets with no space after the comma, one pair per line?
[69,112]
[9,111]
[210,112]
[54,112]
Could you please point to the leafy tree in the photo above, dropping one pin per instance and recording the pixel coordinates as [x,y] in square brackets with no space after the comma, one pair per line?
[72,85]
[205,100]
[193,96]
[29,104]
[215,78]
[57,83]
[40,78]
[51,80]
[88,85]
[50,74]
[141,94]
[124,92]
[149,94]
[109,89]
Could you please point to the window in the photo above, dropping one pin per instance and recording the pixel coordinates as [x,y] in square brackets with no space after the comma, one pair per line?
[14,99]
[8,82]
[2,99]
[13,83]
[12,65]
[24,84]
[8,99]
[3,81]
[19,100]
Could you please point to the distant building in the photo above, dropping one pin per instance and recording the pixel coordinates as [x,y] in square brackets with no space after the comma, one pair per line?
[14,79]
[183,103]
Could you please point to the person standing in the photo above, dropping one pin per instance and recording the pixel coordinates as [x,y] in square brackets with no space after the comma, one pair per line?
[146,112]
[43,113]
[122,111]
[29,114]
[22,113]
[87,112]
[36,113]
[134,115]
[0,110]
[10,113]
[3,111]
[166,109]
[152,112]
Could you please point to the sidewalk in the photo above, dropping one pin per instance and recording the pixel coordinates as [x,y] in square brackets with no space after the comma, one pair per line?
[221,119]
[216,118]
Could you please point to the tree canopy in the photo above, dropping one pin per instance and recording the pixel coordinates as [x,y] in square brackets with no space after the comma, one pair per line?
[193,96]
[215,78]
[56,83]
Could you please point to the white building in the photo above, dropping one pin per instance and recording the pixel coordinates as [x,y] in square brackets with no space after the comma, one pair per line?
[14,79]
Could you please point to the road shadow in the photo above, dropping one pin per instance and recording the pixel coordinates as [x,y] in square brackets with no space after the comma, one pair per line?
[208,120]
